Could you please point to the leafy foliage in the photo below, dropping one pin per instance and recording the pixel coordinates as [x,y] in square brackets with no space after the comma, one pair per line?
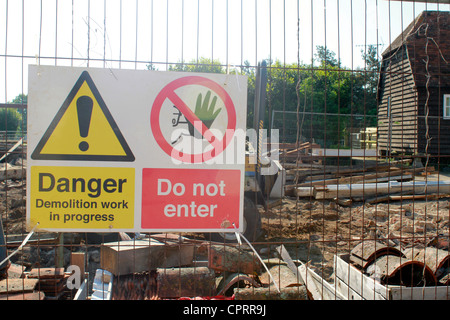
[12,119]
[202,65]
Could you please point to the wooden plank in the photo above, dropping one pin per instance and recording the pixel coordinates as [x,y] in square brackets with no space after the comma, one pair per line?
[304,170]
[46,273]
[131,256]
[304,191]
[345,152]
[353,179]
[310,284]
[36,295]
[366,287]
[347,292]
[328,291]
[12,149]
[17,285]
[350,279]
[419,293]
[418,197]
[371,189]
[82,292]
[126,257]
[303,146]
[79,259]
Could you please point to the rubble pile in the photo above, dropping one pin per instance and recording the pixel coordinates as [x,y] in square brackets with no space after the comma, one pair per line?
[413,267]
[206,270]
[37,284]
[375,270]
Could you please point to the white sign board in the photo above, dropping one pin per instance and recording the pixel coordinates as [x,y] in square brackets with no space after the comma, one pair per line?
[135,150]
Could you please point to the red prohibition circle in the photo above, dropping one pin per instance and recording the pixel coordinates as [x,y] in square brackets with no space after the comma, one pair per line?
[168,92]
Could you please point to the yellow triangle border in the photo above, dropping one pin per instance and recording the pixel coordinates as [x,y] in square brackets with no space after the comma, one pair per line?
[37,155]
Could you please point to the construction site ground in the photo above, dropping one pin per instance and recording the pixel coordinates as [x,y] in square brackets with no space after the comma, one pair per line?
[311,230]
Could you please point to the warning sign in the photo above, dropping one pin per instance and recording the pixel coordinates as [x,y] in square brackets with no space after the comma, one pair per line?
[83,129]
[135,150]
[207,113]
[82,197]
[190,199]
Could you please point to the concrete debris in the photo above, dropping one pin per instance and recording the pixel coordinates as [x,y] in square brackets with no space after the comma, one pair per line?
[36,284]
[216,271]
[284,277]
[395,270]
[411,267]
[388,278]
[234,280]
[366,252]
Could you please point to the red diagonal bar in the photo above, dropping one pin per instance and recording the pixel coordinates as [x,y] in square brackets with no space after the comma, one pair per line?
[192,118]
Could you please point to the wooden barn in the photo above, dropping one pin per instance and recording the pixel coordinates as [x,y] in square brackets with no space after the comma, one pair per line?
[414,89]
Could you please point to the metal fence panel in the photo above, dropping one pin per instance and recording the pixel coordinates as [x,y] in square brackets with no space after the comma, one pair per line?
[357,95]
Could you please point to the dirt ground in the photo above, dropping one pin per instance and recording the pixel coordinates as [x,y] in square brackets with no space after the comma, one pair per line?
[315,231]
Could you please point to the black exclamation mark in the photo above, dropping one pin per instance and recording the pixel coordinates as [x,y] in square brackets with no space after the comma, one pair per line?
[84,111]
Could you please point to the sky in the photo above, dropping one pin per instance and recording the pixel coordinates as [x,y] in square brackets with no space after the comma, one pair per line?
[131,34]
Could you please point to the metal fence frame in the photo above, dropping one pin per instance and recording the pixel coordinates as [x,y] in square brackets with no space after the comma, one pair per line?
[330,205]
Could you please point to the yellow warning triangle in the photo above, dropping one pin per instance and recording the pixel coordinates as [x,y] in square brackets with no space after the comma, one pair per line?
[83,129]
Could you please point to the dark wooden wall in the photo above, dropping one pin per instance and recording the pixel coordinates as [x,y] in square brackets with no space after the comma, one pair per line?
[397,83]
[416,75]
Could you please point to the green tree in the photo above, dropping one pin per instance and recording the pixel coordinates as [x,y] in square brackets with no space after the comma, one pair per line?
[326,57]
[372,67]
[10,119]
[201,65]
[371,75]
[328,93]
[13,119]
[22,99]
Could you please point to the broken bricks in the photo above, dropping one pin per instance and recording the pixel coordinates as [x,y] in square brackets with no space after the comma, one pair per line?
[51,281]
[142,271]
[37,284]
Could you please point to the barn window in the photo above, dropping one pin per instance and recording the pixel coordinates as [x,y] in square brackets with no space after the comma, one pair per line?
[446,106]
